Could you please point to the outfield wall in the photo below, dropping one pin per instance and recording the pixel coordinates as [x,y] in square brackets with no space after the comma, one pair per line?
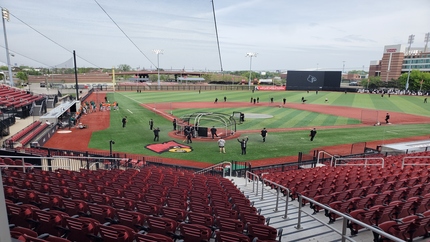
[196,87]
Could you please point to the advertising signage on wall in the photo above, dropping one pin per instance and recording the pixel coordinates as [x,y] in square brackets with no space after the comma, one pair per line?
[270,88]
[393,48]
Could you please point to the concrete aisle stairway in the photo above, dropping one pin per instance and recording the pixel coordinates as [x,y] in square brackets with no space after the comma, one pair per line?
[313,227]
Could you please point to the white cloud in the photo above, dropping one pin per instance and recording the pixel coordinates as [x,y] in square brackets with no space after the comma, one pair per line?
[286,34]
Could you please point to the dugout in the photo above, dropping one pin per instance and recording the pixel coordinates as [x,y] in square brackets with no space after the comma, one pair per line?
[64,107]
[203,122]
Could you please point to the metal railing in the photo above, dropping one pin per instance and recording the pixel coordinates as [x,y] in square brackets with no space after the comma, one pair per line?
[225,165]
[74,163]
[366,161]
[345,219]
[415,164]
[324,152]
[255,180]
[277,196]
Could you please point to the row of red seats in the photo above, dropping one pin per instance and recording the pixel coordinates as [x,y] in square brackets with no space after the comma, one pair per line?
[6,161]
[311,189]
[356,205]
[345,192]
[396,210]
[17,103]
[156,194]
[24,132]
[60,191]
[213,194]
[408,228]
[346,204]
[15,96]
[195,228]
[28,138]
[392,163]
[338,174]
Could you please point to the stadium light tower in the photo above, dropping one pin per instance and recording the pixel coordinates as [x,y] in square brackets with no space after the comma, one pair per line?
[250,55]
[426,40]
[5,16]
[410,41]
[158,52]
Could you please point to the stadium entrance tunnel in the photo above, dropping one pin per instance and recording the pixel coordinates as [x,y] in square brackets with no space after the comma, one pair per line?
[201,124]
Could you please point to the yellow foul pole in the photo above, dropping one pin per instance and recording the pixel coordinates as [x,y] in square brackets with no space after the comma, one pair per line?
[113,78]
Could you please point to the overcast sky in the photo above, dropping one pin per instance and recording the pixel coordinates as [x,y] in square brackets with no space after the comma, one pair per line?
[286,34]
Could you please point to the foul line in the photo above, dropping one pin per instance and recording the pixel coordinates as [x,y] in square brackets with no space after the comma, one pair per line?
[130,98]
[129,110]
[388,131]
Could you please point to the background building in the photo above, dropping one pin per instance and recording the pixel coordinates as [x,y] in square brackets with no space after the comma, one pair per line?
[398,59]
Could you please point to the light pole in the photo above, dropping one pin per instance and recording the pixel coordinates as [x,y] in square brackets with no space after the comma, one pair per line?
[111,142]
[426,40]
[5,16]
[250,55]
[410,41]
[158,52]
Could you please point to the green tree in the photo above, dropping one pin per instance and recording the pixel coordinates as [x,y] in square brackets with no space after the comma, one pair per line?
[415,79]
[208,77]
[374,82]
[22,76]
[360,72]
[124,67]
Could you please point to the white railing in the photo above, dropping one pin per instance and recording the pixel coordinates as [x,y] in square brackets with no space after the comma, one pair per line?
[223,166]
[277,196]
[255,179]
[415,164]
[324,152]
[74,163]
[365,164]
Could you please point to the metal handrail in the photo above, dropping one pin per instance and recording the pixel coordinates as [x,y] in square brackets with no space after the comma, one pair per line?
[210,168]
[255,180]
[25,167]
[365,163]
[414,164]
[345,218]
[277,196]
[325,152]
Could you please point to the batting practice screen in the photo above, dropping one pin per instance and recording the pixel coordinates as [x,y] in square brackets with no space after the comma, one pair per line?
[313,80]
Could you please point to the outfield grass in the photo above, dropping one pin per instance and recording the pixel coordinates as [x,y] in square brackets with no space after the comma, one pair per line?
[136,135]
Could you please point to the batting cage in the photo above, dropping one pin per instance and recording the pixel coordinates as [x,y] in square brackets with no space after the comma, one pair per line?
[370,117]
[202,123]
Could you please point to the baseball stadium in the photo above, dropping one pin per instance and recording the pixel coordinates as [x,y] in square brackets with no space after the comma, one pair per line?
[101,143]
[359,176]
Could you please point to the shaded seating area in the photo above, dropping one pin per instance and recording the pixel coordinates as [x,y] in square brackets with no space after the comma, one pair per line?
[18,101]
[26,135]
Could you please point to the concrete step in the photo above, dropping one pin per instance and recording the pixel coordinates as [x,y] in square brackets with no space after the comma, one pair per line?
[313,227]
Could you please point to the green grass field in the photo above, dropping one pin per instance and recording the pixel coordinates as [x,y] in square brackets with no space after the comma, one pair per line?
[137,135]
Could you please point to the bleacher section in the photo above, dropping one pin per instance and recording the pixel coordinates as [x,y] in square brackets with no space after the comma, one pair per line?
[10,142]
[166,204]
[11,97]
[395,198]
[151,204]
[26,135]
